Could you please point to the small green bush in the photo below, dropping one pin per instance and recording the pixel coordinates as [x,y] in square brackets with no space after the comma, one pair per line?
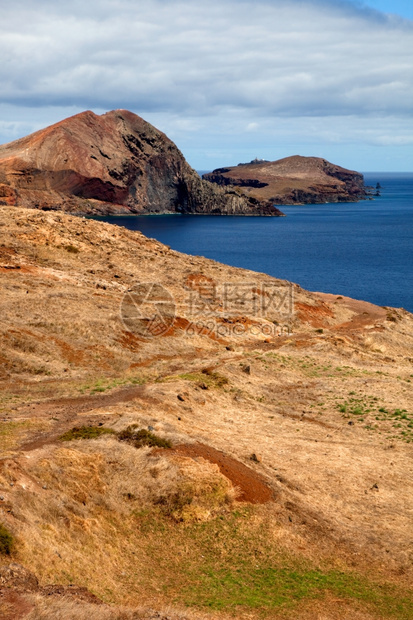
[140,437]
[215,378]
[6,540]
[86,432]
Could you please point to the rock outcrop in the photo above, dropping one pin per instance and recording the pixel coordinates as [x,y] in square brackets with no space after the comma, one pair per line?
[293,180]
[114,163]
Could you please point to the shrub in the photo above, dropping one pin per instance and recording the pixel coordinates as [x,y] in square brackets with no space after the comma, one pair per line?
[139,437]
[215,378]
[6,540]
[86,432]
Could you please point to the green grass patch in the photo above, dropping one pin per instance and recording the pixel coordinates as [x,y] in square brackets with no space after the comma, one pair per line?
[105,384]
[368,407]
[140,437]
[309,367]
[272,588]
[233,564]
[86,432]
[6,541]
[134,435]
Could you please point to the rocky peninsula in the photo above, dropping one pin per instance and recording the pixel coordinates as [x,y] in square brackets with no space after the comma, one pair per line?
[292,180]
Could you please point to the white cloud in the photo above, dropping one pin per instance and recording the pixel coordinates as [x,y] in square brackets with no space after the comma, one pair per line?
[278,57]
[234,59]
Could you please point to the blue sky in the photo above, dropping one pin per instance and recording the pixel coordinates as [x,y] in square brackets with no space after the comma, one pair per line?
[400,7]
[227,81]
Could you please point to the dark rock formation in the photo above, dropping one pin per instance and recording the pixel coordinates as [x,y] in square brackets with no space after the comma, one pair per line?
[114,163]
[293,180]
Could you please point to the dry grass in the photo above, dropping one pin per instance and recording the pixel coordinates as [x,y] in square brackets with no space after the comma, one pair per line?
[133,526]
[81,506]
[14,433]
[66,609]
[163,529]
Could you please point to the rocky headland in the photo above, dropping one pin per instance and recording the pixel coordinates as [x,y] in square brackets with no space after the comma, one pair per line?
[114,163]
[292,180]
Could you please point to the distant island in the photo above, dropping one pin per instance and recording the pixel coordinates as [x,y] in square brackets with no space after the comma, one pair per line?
[292,180]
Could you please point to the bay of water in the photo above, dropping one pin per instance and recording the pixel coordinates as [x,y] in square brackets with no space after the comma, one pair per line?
[363,250]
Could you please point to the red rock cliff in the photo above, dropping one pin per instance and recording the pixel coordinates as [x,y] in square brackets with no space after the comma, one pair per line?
[114,163]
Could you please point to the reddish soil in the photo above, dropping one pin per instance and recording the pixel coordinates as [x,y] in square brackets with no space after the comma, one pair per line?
[367,313]
[315,315]
[78,593]
[202,284]
[13,605]
[130,341]
[16,585]
[69,408]
[253,488]
[183,324]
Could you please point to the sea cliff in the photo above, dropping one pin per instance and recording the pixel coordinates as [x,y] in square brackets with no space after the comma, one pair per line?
[114,163]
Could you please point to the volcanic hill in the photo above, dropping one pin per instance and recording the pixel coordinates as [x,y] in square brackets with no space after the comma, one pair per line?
[243,450]
[114,163]
[292,180]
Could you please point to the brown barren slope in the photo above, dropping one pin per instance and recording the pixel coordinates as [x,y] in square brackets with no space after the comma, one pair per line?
[304,403]
[293,180]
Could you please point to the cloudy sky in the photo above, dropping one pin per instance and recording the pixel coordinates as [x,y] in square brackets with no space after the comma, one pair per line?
[227,80]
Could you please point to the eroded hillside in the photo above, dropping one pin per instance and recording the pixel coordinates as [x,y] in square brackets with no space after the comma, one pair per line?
[287,489]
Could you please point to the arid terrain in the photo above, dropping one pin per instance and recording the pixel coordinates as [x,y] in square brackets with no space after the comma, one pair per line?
[279,480]
[292,180]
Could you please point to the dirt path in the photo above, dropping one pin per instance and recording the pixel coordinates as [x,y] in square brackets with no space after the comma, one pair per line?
[68,409]
[252,486]
[367,314]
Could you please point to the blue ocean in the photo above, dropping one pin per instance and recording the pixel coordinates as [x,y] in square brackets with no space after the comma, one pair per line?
[363,250]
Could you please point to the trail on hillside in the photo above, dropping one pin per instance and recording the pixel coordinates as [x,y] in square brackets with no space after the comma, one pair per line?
[68,410]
